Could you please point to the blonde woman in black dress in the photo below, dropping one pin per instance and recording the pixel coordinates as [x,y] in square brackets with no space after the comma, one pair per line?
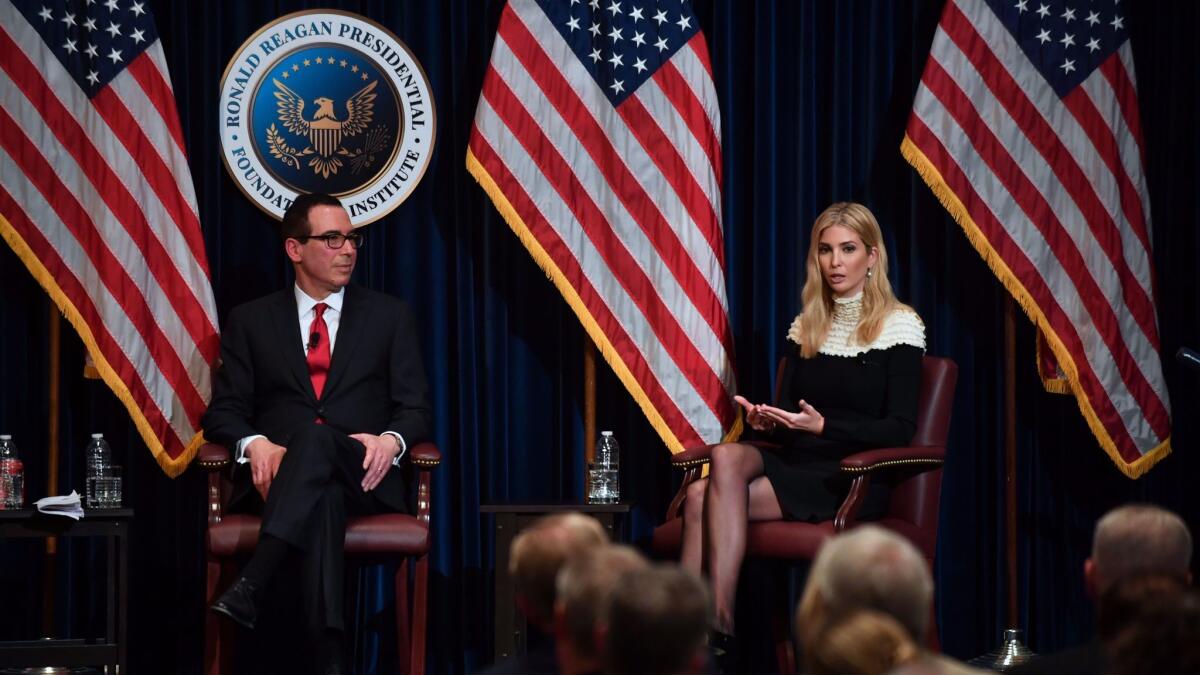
[849,384]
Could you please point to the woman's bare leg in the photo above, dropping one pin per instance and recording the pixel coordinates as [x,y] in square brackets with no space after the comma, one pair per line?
[730,504]
[691,554]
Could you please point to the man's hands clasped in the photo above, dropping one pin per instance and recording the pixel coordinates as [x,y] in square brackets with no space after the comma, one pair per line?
[266,456]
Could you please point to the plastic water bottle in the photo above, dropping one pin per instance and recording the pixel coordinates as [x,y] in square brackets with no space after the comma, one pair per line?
[99,458]
[12,475]
[603,481]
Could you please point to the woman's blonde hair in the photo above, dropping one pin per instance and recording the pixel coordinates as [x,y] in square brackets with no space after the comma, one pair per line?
[817,297]
[861,642]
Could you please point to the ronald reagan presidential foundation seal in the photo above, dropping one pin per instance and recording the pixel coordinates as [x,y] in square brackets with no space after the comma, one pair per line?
[326,101]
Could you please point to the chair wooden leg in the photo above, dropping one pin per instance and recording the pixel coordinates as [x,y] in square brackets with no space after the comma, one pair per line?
[217,635]
[212,639]
[785,652]
[403,626]
[419,618]
[931,640]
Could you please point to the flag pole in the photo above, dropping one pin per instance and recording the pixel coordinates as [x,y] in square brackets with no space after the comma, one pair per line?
[1011,652]
[55,340]
[1010,453]
[589,406]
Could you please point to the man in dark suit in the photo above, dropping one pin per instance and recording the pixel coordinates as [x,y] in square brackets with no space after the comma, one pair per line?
[319,393]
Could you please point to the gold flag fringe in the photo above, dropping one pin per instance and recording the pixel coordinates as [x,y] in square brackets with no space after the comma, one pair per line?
[172,466]
[958,211]
[590,326]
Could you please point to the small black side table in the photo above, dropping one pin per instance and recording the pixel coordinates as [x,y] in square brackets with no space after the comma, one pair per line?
[511,518]
[113,525]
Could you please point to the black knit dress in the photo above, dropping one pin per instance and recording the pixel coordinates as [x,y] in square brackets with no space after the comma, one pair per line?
[868,399]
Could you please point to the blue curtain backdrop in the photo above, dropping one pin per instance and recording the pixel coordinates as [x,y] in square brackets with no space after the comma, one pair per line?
[814,98]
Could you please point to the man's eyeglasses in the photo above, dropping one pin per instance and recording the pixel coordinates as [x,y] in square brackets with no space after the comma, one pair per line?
[336,239]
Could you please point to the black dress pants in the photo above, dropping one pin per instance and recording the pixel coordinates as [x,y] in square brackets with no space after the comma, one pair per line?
[319,484]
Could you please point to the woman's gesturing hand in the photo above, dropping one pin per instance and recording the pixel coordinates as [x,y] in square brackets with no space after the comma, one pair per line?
[807,419]
[754,415]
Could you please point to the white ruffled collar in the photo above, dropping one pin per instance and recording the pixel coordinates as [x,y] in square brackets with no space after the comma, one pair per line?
[902,326]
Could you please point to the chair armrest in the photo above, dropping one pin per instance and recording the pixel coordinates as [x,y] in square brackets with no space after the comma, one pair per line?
[212,457]
[425,455]
[691,457]
[692,461]
[867,460]
[883,458]
[863,465]
[700,455]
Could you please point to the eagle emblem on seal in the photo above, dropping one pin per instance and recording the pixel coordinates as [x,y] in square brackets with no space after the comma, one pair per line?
[325,132]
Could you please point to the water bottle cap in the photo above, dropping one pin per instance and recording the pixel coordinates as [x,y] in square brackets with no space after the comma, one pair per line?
[97,436]
[606,433]
[5,437]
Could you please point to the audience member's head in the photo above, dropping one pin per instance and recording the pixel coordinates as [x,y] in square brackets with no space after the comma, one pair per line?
[1164,640]
[867,568]
[1137,540]
[584,586]
[860,642]
[540,551]
[1125,600]
[658,622]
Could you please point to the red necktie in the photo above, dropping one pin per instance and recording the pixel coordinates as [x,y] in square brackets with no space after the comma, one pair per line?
[318,349]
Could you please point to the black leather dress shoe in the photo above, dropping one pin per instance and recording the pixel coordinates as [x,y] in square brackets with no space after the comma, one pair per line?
[239,603]
[723,648]
[330,654]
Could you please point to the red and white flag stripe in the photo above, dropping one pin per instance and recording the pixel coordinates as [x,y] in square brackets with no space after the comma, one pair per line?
[621,206]
[96,198]
[1051,191]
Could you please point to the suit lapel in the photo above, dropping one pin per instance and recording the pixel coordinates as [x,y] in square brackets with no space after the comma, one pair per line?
[283,317]
[351,326]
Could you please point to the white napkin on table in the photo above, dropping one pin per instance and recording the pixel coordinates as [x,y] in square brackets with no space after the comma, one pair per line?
[62,505]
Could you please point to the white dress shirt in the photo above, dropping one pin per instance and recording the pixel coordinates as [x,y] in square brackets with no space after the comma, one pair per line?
[304,316]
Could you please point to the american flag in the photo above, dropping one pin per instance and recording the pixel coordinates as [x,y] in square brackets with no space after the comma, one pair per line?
[1026,127]
[597,136]
[96,199]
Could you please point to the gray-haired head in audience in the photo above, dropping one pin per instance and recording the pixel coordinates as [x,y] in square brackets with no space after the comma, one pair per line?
[1138,540]
[868,568]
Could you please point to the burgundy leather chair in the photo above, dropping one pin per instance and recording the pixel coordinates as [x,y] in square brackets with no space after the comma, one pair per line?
[914,472]
[391,534]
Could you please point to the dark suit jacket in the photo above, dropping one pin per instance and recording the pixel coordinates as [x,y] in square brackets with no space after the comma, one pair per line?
[376,381]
